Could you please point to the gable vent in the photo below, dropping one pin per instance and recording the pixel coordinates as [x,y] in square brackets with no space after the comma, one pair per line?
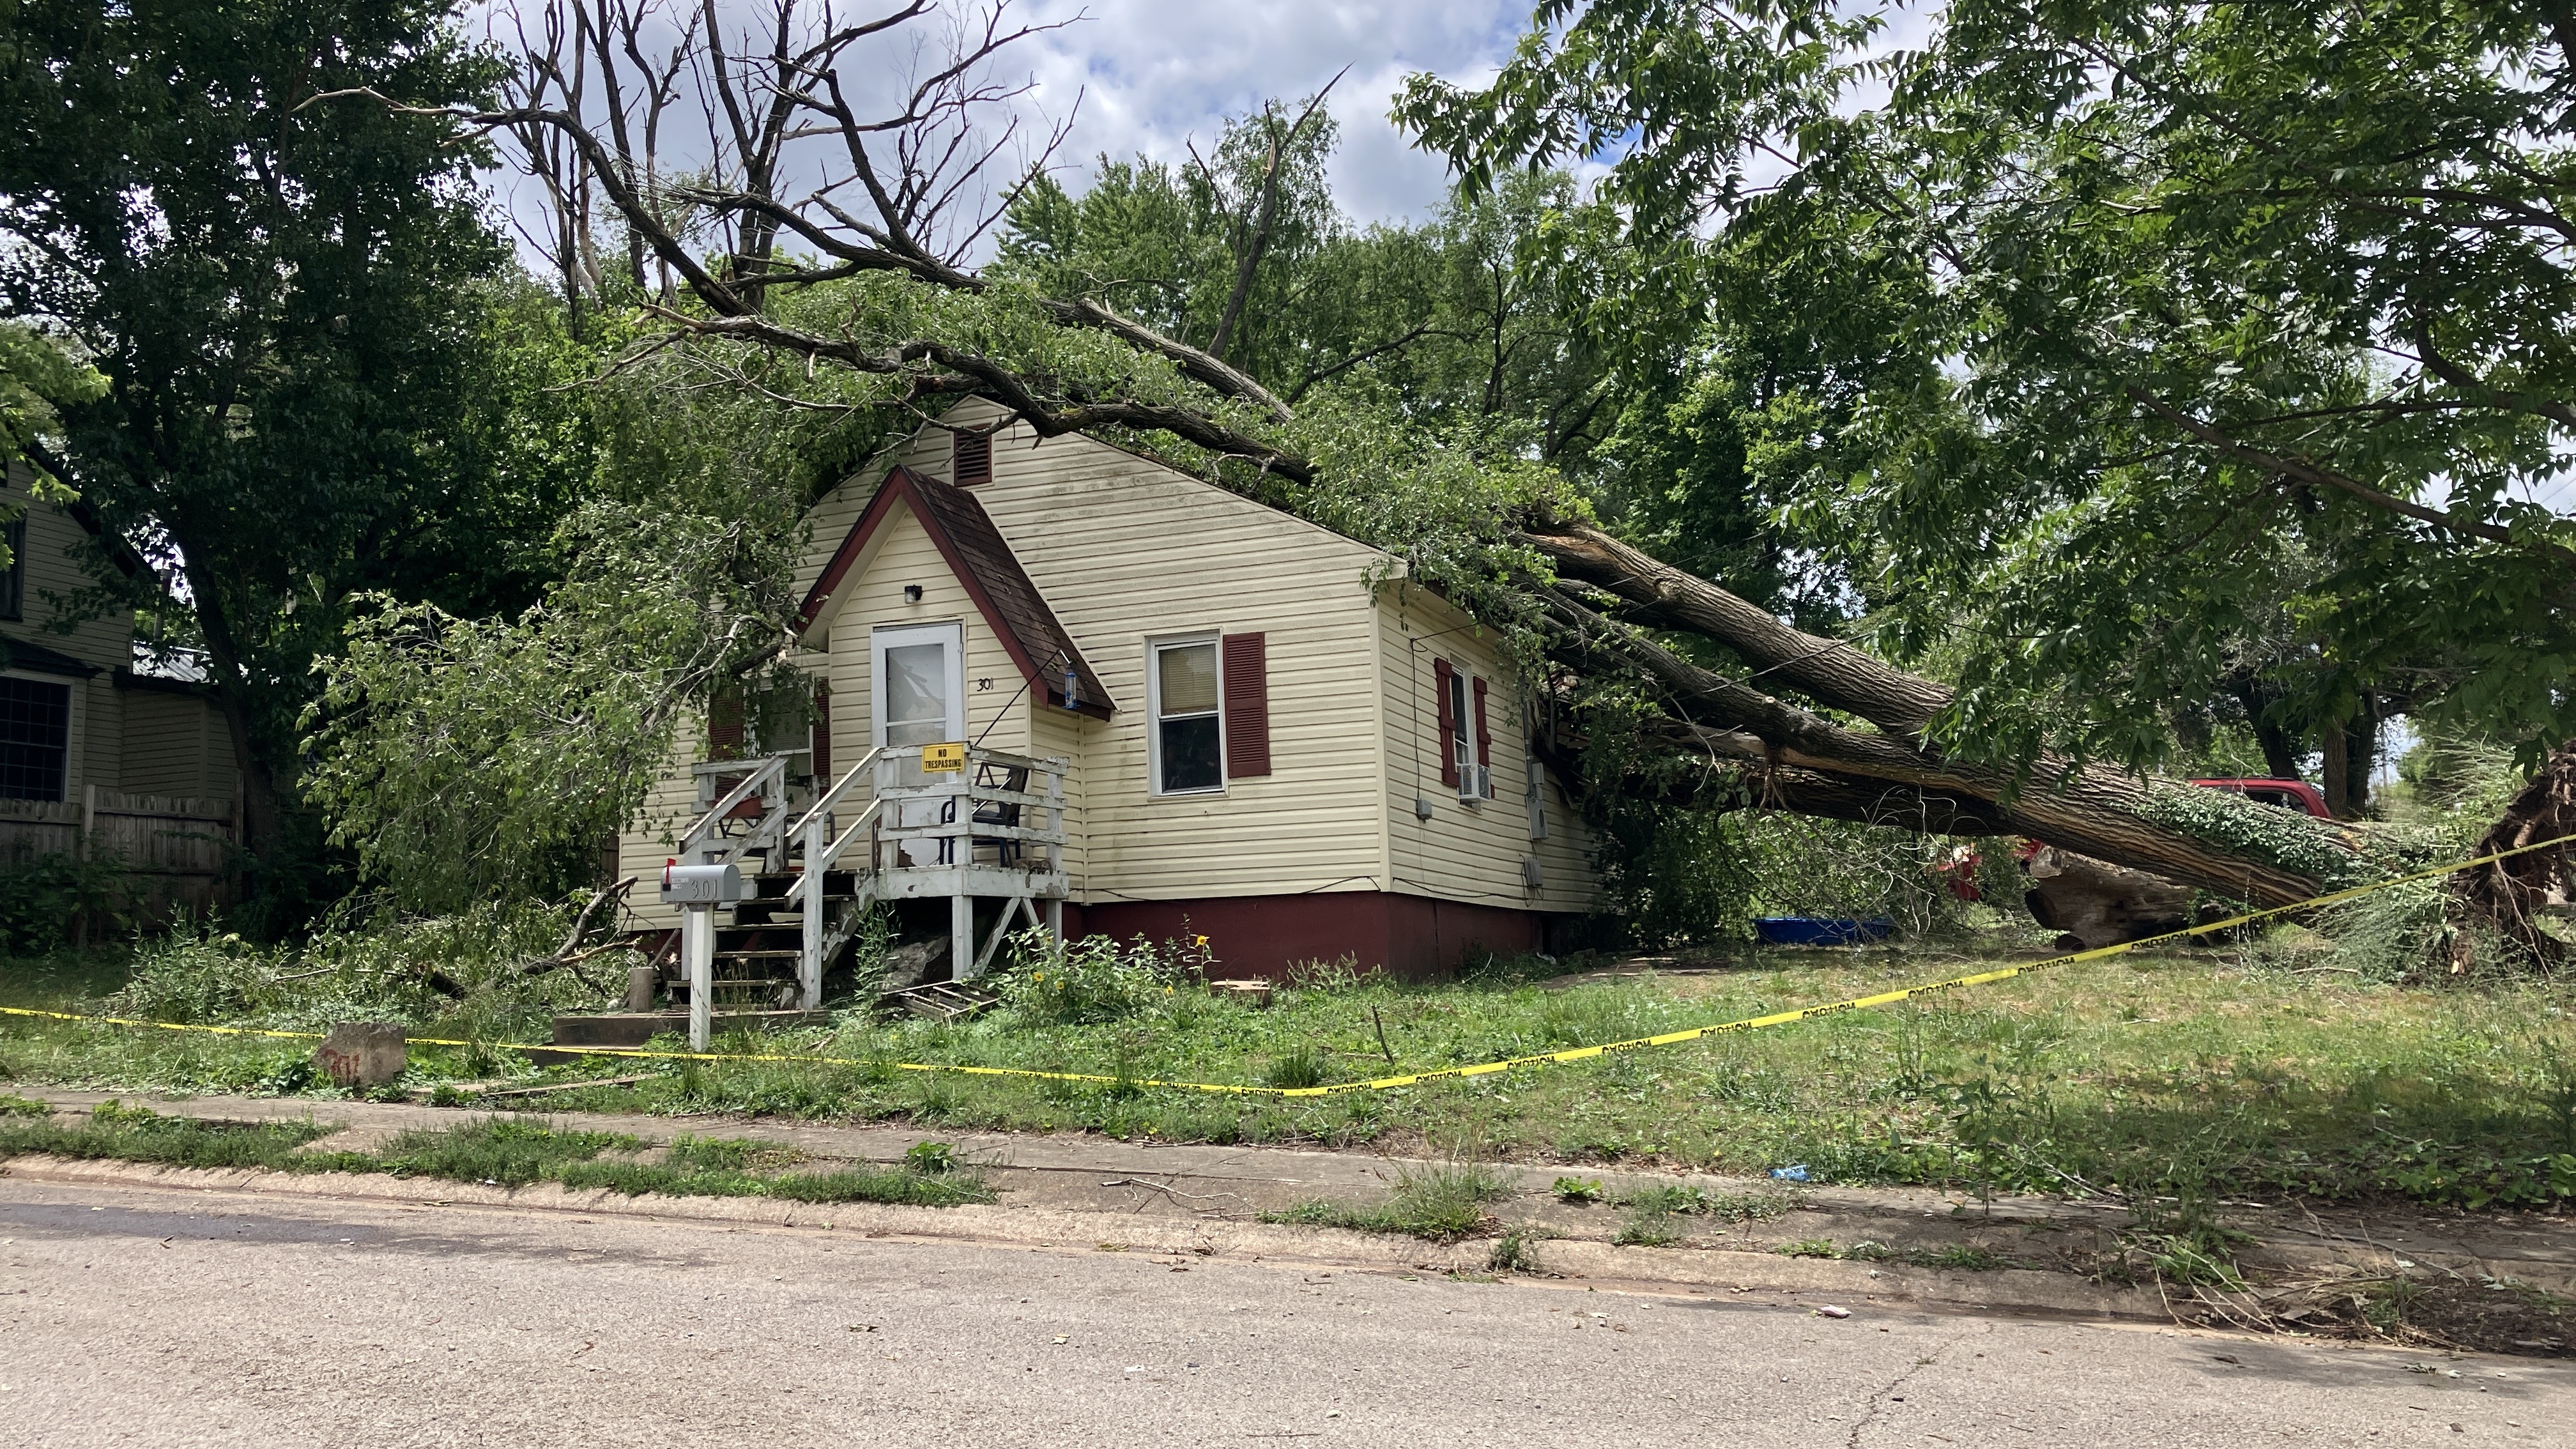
[974,461]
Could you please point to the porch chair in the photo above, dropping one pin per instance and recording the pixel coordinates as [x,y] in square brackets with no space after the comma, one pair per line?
[1006,849]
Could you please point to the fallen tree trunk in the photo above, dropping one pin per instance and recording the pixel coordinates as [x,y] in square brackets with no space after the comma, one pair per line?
[2096,812]
[1759,777]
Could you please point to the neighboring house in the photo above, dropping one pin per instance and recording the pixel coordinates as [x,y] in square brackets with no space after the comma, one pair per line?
[97,756]
[1274,742]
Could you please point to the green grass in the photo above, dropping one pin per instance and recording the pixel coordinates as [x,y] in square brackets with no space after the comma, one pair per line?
[1443,1202]
[2189,1075]
[732,1167]
[495,1151]
[1652,1210]
[136,1134]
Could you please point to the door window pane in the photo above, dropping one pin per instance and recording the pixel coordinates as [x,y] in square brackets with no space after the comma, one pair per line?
[916,694]
[1188,737]
[35,738]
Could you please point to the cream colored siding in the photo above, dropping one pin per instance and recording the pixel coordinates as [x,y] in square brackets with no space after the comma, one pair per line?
[1059,732]
[667,810]
[871,597]
[1466,851]
[1126,552]
[56,544]
[51,573]
[175,744]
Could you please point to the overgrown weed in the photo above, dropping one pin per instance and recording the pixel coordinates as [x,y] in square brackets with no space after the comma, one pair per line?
[1441,1201]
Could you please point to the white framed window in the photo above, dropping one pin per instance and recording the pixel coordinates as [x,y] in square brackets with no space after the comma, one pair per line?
[1186,746]
[1467,735]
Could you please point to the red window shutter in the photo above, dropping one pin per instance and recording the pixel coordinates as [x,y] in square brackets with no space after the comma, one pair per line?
[974,460]
[822,742]
[1484,736]
[1440,672]
[1247,705]
[724,727]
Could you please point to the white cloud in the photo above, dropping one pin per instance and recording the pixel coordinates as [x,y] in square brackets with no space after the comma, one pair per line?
[1154,73]
[1151,75]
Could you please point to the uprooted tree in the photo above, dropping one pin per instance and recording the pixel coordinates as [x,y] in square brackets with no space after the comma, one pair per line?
[825,220]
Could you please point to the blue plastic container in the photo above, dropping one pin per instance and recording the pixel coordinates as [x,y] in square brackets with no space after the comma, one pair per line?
[1822,930]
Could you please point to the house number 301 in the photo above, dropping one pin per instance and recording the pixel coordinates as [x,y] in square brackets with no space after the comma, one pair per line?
[983,686]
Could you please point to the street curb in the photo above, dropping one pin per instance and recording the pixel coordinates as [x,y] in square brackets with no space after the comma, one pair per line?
[1170,1197]
[1184,1242]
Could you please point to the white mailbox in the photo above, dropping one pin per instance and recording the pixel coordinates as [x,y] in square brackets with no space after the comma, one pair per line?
[700,885]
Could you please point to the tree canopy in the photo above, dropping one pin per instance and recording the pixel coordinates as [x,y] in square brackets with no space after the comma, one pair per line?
[2214,358]
[291,306]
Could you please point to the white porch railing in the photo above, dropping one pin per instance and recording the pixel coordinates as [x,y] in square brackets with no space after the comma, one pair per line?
[996,828]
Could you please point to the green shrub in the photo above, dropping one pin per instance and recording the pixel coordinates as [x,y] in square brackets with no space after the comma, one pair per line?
[1675,876]
[374,970]
[1091,980]
[43,900]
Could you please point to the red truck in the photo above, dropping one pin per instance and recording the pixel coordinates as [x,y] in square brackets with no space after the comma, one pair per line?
[2296,795]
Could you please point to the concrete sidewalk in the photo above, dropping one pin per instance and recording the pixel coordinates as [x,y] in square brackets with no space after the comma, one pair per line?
[1204,1200]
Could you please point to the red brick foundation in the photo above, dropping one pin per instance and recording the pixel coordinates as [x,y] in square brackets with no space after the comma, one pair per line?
[1413,936]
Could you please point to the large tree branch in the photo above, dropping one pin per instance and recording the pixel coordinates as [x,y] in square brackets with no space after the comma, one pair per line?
[1827,670]
[2304,471]
[1249,263]
[969,372]
[2089,809]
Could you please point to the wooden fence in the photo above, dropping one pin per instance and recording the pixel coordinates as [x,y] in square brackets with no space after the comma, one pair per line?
[175,849]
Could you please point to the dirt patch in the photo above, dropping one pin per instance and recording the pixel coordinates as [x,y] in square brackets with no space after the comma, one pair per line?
[2503,1318]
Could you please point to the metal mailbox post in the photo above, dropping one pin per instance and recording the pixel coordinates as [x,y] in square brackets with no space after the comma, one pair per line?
[698,890]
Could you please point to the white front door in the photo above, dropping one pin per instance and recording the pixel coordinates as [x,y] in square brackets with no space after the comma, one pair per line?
[919,695]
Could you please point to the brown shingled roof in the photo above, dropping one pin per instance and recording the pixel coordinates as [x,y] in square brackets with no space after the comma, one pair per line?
[984,563]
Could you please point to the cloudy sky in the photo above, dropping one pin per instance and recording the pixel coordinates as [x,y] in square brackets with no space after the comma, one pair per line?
[1152,73]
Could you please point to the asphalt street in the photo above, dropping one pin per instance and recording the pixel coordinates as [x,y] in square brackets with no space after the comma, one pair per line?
[160,1316]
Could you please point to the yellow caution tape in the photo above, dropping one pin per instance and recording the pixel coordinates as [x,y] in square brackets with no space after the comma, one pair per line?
[1409,1079]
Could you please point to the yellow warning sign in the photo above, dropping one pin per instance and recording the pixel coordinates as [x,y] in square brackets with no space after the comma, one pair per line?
[935,758]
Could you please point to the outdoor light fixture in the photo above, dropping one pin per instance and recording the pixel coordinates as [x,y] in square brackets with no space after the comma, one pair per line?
[912,593]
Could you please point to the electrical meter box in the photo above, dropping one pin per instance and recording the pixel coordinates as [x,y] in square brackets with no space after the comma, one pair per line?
[700,885]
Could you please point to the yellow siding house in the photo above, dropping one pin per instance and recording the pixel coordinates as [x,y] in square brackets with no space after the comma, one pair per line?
[1266,736]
